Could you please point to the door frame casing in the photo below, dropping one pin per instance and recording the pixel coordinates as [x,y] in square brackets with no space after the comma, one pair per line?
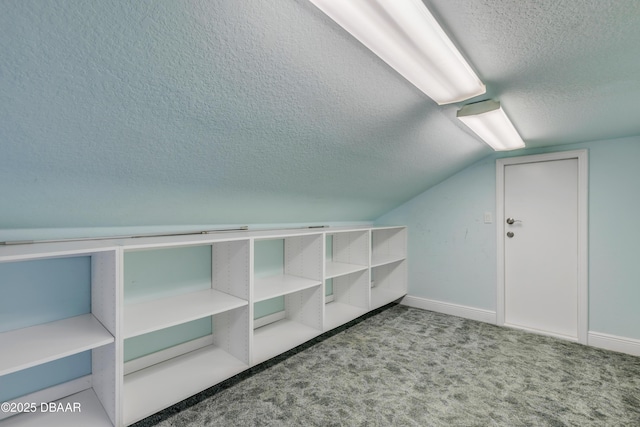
[583,231]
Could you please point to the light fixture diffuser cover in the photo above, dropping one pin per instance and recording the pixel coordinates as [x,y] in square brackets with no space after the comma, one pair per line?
[488,120]
[405,35]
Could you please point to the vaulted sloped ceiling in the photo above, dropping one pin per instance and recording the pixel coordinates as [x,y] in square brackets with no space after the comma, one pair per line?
[240,111]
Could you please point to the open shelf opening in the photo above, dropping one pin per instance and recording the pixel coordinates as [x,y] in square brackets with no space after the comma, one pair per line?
[58,317]
[389,283]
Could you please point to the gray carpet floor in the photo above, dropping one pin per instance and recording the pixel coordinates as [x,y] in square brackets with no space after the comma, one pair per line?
[410,367]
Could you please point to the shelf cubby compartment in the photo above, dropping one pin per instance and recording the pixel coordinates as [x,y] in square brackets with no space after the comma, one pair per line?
[183,287]
[346,252]
[60,309]
[166,377]
[388,283]
[350,299]
[388,245]
[296,276]
[301,321]
[346,276]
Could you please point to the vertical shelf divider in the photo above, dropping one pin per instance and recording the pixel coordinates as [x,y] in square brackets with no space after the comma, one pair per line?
[106,366]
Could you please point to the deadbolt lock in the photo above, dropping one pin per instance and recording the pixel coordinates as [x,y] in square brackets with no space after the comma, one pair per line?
[510,234]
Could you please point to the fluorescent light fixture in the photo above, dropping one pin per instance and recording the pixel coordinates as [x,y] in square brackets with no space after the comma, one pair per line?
[405,35]
[489,121]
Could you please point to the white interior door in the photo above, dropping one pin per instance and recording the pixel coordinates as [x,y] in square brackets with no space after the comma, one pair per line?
[541,247]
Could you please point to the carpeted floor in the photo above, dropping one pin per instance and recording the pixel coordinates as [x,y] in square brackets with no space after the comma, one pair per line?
[410,367]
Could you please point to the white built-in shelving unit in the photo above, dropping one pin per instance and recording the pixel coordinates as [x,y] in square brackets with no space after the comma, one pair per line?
[159,319]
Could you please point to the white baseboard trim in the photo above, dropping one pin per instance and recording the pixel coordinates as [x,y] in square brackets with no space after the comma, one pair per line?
[614,343]
[472,313]
[595,339]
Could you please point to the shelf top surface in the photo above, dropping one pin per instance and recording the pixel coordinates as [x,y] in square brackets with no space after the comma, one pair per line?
[382,259]
[26,250]
[275,286]
[149,316]
[29,251]
[181,240]
[146,391]
[335,269]
[50,341]
[389,227]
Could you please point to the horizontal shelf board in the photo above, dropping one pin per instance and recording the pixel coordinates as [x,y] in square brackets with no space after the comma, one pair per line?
[278,337]
[283,284]
[284,233]
[160,242]
[50,341]
[383,296]
[388,227]
[162,313]
[337,314]
[338,230]
[335,269]
[30,251]
[91,414]
[158,386]
[382,259]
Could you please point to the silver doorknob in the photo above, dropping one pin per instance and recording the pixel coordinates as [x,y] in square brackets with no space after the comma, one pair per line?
[510,234]
[511,220]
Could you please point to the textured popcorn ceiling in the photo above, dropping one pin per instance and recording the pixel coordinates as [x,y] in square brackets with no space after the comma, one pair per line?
[202,112]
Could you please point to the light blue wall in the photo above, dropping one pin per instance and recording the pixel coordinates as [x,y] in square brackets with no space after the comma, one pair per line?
[614,236]
[35,292]
[452,253]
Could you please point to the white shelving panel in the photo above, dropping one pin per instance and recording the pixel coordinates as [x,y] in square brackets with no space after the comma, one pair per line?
[162,313]
[276,338]
[337,314]
[335,269]
[175,285]
[43,343]
[382,259]
[275,286]
[382,297]
[389,283]
[173,380]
